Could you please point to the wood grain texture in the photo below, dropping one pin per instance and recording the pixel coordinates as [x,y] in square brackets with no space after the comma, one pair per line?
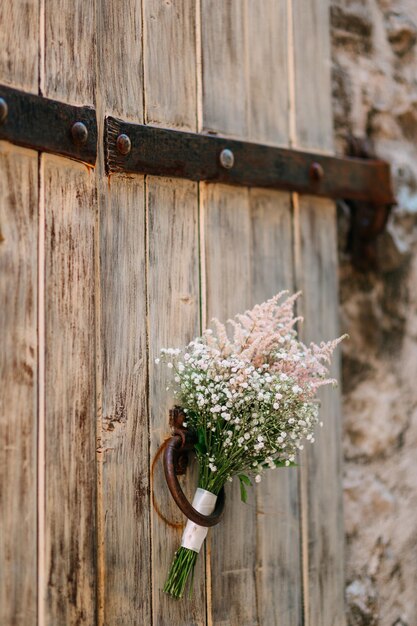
[125,585]
[312,88]
[224,77]
[120,63]
[124,443]
[18,373]
[69,393]
[170,63]
[267,55]
[278,553]
[227,277]
[19,44]
[317,278]
[70,573]
[173,296]
[316,269]
[173,274]
[70,51]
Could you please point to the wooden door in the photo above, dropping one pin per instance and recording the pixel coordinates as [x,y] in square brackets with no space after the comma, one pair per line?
[99,273]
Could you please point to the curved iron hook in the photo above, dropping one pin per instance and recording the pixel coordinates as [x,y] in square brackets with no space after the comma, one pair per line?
[174,447]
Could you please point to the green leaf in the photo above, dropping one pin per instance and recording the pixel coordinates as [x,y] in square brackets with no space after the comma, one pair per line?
[244,480]
[201,445]
[243,493]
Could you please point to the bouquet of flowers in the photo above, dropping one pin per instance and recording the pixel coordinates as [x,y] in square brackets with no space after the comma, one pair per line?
[250,399]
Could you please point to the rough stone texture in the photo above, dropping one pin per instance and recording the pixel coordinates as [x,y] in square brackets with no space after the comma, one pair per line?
[375,96]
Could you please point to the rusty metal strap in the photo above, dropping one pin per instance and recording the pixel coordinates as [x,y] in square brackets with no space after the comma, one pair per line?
[136,148]
[48,125]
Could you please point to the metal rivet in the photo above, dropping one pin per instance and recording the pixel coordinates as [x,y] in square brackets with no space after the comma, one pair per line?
[316,171]
[79,133]
[227,158]
[123,144]
[4,109]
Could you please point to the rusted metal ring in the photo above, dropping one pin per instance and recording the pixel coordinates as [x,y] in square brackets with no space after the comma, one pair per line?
[173,448]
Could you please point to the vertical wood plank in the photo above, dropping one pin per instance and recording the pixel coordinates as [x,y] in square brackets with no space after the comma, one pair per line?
[321,463]
[267,53]
[224,69]
[261,561]
[170,62]
[316,268]
[18,322]
[312,64]
[120,61]
[125,584]
[226,280]
[173,295]
[69,51]
[227,262]
[70,412]
[278,571]
[124,443]
[19,44]
[278,555]
[69,394]
[18,372]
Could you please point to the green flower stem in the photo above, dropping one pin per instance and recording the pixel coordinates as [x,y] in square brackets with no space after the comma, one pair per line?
[182,566]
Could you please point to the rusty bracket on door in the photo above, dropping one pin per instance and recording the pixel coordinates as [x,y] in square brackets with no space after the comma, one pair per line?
[136,148]
[48,125]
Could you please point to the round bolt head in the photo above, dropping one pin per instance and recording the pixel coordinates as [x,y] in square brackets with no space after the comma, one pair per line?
[4,109]
[123,144]
[227,158]
[316,171]
[79,133]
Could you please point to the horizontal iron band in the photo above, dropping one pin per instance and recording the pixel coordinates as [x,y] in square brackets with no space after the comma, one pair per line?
[165,152]
[48,125]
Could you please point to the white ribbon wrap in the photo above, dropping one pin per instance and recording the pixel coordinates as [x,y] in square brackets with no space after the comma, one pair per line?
[194,535]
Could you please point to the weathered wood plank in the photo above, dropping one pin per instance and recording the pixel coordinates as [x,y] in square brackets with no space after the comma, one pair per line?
[312,64]
[123,466]
[316,270]
[170,97]
[261,561]
[69,578]
[124,441]
[69,394]
[18,373]
[19,45]
[224,78]
[321,463]
[267,54]
[69,71]
[278,553]
[226,222]
[173,296]
[120,63]
[170,63]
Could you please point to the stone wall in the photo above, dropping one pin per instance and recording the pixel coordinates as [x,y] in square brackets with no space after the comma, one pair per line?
[375,95]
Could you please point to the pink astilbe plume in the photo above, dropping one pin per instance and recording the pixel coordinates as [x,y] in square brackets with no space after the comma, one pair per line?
[266,335]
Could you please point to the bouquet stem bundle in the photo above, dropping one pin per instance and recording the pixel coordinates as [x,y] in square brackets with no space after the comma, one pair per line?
[250,400]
